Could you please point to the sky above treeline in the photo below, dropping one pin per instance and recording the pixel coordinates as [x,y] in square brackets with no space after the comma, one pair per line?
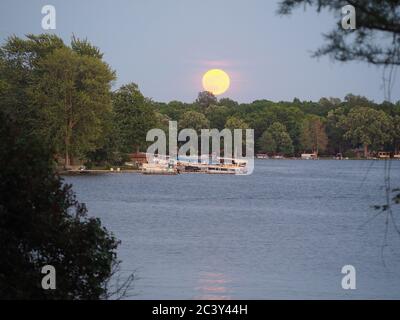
[165,46]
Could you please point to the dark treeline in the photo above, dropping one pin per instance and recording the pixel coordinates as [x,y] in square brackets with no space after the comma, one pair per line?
[63,95]
[54,100]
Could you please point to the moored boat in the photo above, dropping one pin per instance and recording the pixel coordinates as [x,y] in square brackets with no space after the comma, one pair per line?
[160,167]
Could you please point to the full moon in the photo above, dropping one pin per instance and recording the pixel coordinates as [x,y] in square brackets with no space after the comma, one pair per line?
[216,81]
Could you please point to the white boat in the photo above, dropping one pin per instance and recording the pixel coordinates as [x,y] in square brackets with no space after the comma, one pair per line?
[226,169]
[159,166]
[309,156]
[229,166]
[164,165]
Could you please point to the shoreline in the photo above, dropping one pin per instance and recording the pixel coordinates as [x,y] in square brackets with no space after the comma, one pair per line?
[63,172]
[94,172]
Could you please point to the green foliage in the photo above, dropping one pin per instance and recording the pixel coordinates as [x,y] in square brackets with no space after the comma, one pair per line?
[368,127]
[335,132]
[396,132]
[85,48]
[276,140]
[72,93]
[229,103]
[42,223]
[353,101]
[134,116]
[266,143]
[236,123]
[327,135]
[56,93]
[174,109]
[194,120]
[313,136]
[18,59]
[205,99]
[217,115]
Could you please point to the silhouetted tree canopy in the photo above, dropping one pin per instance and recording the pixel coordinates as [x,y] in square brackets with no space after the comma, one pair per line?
[42,223]
[376,39]
[205,99]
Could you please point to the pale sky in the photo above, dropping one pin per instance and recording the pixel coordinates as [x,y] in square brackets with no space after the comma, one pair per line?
[165,46]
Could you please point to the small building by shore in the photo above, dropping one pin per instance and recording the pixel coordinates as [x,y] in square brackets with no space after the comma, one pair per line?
[138,158]
[309,156]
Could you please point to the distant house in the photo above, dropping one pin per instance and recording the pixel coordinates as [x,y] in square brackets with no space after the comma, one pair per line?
[383,155]
[138,158]
[309,156]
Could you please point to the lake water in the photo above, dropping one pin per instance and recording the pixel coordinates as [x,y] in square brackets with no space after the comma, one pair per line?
[284,232]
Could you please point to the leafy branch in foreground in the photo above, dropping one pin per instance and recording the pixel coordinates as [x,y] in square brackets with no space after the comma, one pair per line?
[376,40]
[42,223]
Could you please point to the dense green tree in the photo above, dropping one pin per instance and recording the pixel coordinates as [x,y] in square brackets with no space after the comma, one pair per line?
[389,108]
[368,127]
[194,120]
[337,143]
[227,102]
[291,117]
[162,121]
[205,99]
[236,123]
[217,115]
[329,102]
[313,136]
[260,121]
[55,92]
[72,93]
[42,223]
[134,117]
[266,143]
[110,151]
[353,101]
[174,109]
[18,60]
[85,48]
[396,133]
[276,140]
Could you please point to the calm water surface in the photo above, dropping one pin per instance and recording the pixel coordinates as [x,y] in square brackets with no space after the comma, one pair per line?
[283,232]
